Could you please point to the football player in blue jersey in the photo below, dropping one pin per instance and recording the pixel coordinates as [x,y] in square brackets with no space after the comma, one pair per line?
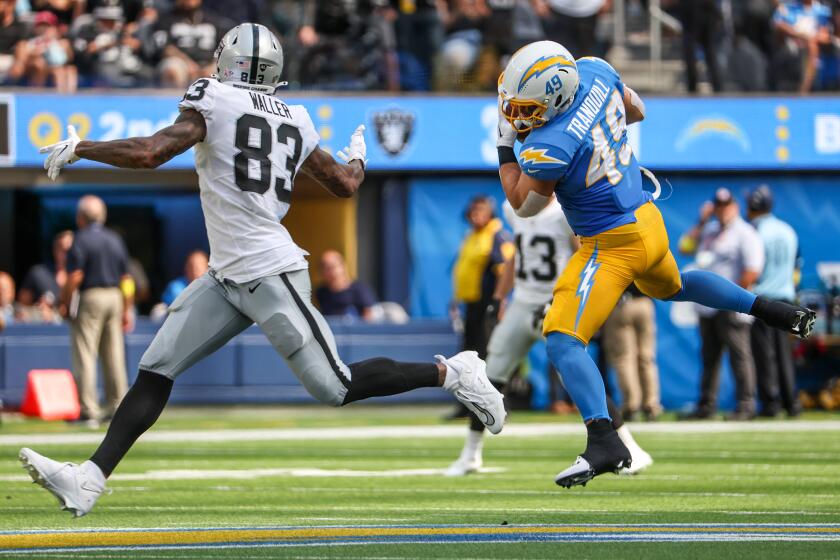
[571,118]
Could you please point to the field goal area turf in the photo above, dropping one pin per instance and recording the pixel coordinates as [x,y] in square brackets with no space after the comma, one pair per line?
[366,482]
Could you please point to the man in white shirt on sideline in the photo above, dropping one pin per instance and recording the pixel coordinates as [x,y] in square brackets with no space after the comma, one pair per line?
[732,248]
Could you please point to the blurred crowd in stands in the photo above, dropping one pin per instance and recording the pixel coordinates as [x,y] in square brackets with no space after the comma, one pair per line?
[38,299]
[409,45]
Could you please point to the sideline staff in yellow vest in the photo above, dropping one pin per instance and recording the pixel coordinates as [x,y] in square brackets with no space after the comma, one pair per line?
[481,259]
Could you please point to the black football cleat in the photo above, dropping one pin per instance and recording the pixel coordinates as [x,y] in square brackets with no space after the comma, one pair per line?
[605,452]
[785,316]
[804,323]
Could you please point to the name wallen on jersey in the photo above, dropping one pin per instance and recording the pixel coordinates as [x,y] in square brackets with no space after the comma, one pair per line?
[270,105]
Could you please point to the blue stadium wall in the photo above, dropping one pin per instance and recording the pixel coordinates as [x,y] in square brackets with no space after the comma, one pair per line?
[810,203]
[441,150]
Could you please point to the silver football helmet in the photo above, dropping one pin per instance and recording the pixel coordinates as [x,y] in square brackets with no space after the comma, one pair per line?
[250,56]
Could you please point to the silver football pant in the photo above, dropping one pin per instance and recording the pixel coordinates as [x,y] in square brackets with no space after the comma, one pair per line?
[210,312]
[512,339]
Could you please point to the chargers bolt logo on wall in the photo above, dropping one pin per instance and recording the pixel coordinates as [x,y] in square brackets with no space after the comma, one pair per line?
[715,126]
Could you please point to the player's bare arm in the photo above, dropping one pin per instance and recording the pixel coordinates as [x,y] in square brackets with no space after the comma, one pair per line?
[145,152]
[634,107]
[526,194]
[504,285]
[340,179]
[148,152]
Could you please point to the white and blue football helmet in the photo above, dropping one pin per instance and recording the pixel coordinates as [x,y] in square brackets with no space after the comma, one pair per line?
[539,83]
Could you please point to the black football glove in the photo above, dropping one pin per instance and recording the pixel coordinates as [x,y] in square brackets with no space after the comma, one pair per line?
[491,316]
[493,309]
[539,316]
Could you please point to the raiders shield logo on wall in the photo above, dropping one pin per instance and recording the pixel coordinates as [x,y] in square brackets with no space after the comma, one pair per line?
[393,130]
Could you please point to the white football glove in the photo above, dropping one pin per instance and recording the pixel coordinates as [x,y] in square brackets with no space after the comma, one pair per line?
[357,148]
[505,134]
[61,153]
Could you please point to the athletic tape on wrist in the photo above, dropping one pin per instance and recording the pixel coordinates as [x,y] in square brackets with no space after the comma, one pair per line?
[506,155]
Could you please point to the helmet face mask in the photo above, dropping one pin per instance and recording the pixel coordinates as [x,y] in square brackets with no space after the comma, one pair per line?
[250,56]
[539,82]
[523,116]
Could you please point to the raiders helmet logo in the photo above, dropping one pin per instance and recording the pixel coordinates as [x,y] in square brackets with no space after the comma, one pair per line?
[393,130]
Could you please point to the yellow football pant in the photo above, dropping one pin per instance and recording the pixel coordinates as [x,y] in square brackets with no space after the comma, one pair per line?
[606,264]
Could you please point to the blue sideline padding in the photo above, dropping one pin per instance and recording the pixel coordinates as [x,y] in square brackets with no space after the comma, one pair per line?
[246,370]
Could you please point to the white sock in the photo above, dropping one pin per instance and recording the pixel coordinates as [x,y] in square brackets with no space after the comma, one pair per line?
[475,440]
[473,446]
[627,438]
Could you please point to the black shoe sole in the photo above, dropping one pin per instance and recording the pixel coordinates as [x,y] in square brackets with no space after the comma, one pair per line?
[579,479]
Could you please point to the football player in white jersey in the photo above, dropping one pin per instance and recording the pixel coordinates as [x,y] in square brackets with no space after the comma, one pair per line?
[249,145]
[544,244]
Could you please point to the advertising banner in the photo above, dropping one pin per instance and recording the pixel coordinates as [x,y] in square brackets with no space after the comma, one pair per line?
[436,133]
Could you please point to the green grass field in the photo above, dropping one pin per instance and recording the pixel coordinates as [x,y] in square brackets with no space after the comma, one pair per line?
[284,483]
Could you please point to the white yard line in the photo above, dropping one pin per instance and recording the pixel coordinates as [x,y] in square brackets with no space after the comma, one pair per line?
[415,432]
[248,474]
[457,512]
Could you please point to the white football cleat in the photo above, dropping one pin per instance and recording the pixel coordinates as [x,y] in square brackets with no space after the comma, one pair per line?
[464,466]
[641,461]
[77,487]
[466,378]
[580,473]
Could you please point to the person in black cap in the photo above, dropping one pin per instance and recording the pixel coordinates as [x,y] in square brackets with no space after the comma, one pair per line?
[731,248]
[772,350]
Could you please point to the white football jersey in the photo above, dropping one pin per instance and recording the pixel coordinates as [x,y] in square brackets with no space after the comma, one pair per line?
[543,246]
[246,165]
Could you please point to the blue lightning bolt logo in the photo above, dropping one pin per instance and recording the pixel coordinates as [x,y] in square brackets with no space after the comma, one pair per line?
[586,280]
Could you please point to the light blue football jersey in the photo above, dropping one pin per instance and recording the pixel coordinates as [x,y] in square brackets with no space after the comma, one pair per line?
[585,150]
[804,18]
